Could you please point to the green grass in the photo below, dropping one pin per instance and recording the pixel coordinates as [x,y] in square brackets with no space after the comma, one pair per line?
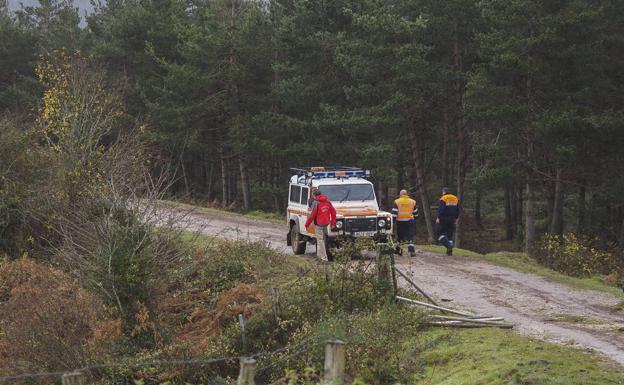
[521,262]
[262,215]
[495,357]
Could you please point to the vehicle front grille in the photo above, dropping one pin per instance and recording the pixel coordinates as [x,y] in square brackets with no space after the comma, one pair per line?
[361,224]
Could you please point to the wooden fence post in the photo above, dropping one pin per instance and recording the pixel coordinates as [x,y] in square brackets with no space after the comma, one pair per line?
[74,378]
[247,373]
[334,363]
[384,268]
[395,287]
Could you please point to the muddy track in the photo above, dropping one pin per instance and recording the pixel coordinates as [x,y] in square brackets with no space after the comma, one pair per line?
[540,308]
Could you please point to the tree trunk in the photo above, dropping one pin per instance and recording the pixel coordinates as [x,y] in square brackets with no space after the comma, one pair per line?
[462,146]
[529,214]
[187,191]
[509,234]
[224,182]
[556,223]
[580,226]
[445,150]
[400,171]
[420,175]
[246,189]
[519,203]
[621,237]
[232,187]
[209,178]
[550,203]
[380,193]
[529,220]
[478,219]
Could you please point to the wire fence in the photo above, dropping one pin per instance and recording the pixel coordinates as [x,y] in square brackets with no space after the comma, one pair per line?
[295,349]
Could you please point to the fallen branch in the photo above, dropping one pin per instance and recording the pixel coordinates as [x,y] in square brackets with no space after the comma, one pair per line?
[416,286]
[437,307]
[472,320]
[458,324]
[455,324]
[468,318]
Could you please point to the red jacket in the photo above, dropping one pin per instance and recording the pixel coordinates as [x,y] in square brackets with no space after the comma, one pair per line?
[323,214]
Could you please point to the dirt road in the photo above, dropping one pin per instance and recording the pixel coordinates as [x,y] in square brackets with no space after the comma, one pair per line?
[539,308]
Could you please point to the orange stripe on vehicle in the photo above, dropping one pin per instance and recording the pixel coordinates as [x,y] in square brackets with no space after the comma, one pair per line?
[356,211]
[298,212]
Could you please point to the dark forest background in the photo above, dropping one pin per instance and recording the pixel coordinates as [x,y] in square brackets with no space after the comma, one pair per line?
[517,105]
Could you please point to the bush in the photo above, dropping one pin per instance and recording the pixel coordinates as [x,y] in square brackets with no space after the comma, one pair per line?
[27,185]
[48,322]
[576,255]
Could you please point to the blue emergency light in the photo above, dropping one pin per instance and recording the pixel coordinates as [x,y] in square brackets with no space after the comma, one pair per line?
[334,172]
[339,174]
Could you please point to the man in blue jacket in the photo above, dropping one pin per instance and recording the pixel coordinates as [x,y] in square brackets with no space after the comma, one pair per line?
[448,212]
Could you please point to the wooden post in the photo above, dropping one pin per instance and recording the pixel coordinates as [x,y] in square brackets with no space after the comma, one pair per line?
[247,373]
[241,324]
[384,269]
[395,288]
[74,378]
[334,362]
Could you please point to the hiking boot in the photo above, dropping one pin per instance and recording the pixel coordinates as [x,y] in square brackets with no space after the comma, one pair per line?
[449,251]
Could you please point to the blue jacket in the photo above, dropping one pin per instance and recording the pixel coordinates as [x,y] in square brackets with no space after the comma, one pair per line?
[448,206]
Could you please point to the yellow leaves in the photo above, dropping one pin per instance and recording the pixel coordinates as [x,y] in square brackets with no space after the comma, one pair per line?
[77,115]
[58,102]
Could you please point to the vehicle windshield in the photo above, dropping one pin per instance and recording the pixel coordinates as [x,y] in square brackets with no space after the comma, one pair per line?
[348,192]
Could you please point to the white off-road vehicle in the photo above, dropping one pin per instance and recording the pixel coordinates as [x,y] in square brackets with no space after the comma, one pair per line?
[353,196]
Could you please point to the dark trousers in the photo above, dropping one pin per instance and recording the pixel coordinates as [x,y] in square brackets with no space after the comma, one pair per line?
[405,231]
[445,228]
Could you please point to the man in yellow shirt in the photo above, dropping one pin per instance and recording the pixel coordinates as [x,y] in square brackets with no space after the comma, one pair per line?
[404,212]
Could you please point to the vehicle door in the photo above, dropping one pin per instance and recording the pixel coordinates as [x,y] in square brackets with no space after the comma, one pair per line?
[298,206]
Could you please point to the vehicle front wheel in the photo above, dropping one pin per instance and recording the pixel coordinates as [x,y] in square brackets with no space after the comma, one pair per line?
[297,242]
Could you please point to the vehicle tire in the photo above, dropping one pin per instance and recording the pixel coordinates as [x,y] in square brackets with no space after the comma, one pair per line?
[297,241]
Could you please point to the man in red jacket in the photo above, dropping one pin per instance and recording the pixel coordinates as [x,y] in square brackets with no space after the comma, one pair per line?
[323,214]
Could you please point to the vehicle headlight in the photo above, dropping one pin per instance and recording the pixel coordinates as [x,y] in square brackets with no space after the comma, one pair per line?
[339,225]
[381,223]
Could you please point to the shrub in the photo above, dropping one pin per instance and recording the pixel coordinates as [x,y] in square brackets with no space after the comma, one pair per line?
[576,255]
[48,322]
[27,185]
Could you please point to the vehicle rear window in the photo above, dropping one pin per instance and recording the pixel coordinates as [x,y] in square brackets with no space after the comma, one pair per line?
[295,193]
[304,195]
[348,192]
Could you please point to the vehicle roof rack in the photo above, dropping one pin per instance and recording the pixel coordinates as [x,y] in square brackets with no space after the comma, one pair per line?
[331,172]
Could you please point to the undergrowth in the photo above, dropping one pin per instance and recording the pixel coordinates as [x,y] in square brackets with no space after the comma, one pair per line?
[292,306]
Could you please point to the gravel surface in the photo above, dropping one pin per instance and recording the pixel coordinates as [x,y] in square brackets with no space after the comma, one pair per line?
[538,307]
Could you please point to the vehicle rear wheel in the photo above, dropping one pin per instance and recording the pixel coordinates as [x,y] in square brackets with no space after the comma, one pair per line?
[297,241]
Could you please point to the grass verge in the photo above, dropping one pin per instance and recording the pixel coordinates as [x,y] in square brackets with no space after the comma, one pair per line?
[493,357]
[521,262]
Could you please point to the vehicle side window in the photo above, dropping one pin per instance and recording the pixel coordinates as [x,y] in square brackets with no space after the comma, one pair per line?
[304,196]
[295,193]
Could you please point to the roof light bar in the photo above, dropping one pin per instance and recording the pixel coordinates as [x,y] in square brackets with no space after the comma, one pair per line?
[332,172]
